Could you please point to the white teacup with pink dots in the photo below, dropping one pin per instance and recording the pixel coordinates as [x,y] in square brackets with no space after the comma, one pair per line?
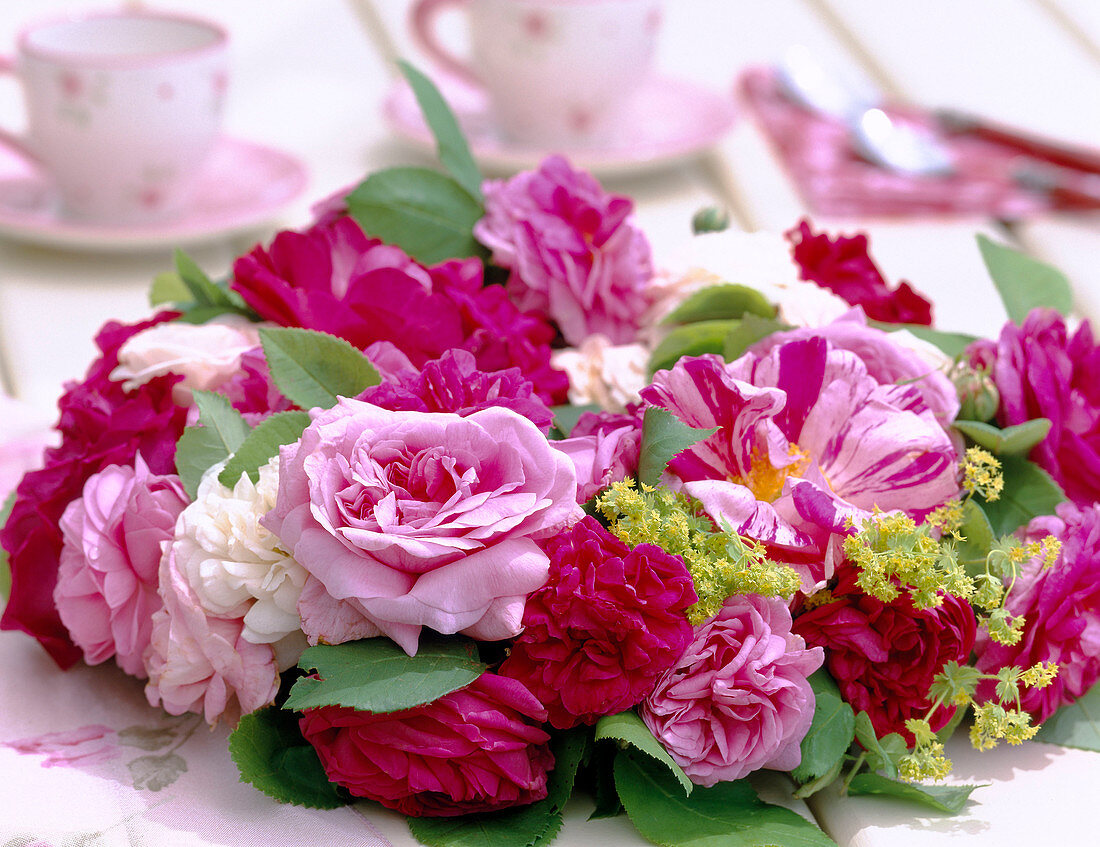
[557,72]
[123,110]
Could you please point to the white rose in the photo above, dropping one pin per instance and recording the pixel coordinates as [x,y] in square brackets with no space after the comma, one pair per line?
[603,373]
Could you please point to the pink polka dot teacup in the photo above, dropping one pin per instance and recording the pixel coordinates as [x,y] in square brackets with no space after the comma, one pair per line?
[122,110]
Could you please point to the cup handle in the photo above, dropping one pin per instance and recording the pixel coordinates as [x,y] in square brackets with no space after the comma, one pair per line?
[10,139]
[424,15]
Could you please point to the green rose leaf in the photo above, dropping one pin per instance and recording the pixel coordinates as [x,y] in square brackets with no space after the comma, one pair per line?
[727,815]
[566,417]
[630,729]
[664,436]
[1029,491]
[953,344]
[192,292]
[168,288]
[1076,725]
[451,144]
[747,332]
[883,754]
[1011,441]
[1024,282]
[375,675]
[314,368]
[944,798]
[425,213]
[221,431]
[5,571]
[694,339]
[830,733]
[272,755]
[721,301]
[261,444]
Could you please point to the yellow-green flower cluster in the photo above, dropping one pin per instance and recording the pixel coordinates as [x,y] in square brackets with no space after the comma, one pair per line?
[720,562]
[982,474]
[927,759]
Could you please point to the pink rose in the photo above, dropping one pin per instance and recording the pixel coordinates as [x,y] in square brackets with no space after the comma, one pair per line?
[573,253]
[422,519]
[604,449]
[200,663]
[474,750]
[738,698]
[106,589]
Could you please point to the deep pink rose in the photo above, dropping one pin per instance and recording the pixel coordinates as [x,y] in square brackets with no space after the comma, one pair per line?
[572,250]
[843,266]
[604,448]
[100,425]
[336,279]
[106,589]
[474,750]
[422,519]
[1061,609]
[1042,371]
[607,623]
[884,655]
[738,698]
[200,663]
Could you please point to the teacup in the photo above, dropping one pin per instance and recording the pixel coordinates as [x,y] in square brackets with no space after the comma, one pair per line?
[123,110]
[557,72]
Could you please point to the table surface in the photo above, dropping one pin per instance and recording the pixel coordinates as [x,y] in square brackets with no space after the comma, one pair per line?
[307,79]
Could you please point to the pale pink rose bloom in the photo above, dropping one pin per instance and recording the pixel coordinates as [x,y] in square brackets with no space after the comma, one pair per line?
[205,355]
[738,699]
[106,590]
[203,664]
[605,374]
[421,519]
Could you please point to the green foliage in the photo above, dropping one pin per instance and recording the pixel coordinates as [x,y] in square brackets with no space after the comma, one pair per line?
[944,798]
[375,675]
[314,368]
[272,755]
[261,444]
[5,571]
[882,754]
[1029,491]
[192,292]
[727,815]
[451,144]
[710,219]
[628,728]
[221,431]
[829,735]
[746,332]
[168,288]
[664,436]
[694,339]
[1023,282]
[566,417]
[425,213]
[719,302]
[978,538]
[1011,441]
[1076,725]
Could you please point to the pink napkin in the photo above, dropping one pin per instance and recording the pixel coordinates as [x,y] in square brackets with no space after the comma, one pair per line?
[834,181]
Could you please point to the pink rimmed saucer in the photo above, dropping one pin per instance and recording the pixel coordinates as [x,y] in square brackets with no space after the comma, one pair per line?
[666,121]
[242,187]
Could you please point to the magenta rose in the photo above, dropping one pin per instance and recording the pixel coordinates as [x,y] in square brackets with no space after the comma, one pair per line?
[1042,371]
[608,622]
[572,250]
[884,655]
[417,519]
[106,589]
[1061,609]
[474,750]
[738,698]
[100,425]
[843,266]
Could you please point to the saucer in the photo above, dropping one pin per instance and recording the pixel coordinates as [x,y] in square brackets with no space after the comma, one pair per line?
[242,187]
[666,121]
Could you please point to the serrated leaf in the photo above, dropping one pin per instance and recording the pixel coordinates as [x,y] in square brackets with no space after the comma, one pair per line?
[945,798]
[199,448]
[272,755]
[566,416]
[727,815]
[168,287]
[695,339]
[5,570]
[262,444]
[425,213]
[1024,282]
[664,436]
[811,788]
[630,729]
[217,413]
[830,733]
[978,538]
[717,302]
[1011,441]
[953,344]
[201,288]
[1029,491]
[313,369]
[1076,725]
[883,754]
[451,144]
[375,675]
[746,333]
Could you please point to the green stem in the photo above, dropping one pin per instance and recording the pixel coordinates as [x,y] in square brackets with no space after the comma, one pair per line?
[852,773]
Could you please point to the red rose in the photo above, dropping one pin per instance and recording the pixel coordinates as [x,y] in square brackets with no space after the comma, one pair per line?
[473,750]
[609,621]
[884,655]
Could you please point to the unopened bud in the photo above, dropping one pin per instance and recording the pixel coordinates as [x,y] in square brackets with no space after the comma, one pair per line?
[710,219]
